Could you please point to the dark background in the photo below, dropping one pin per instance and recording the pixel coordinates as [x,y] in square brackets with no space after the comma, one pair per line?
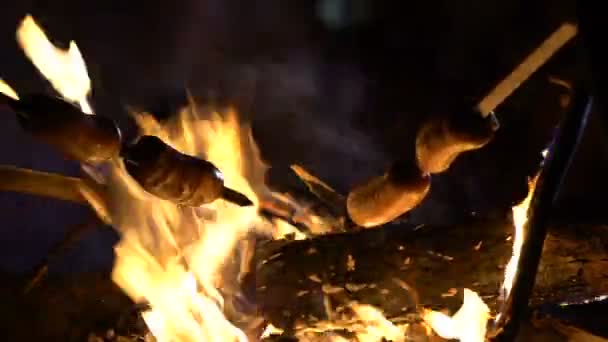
[337,86]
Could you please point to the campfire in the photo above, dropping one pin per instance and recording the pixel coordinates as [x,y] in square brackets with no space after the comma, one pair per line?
[288,268]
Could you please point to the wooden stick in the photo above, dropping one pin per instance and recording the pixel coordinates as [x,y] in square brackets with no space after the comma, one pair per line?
[525,69]
[40,183]
[81,191]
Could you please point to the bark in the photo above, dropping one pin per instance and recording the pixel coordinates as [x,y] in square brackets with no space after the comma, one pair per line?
[399,269]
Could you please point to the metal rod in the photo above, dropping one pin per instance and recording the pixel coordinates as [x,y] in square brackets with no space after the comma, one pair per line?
[548,185]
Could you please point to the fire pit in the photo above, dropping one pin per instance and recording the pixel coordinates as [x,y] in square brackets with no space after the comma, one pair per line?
[190,268]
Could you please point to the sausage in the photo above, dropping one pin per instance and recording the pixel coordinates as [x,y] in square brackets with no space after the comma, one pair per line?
[171,175]
[82,137]
[440,141]
[386,197]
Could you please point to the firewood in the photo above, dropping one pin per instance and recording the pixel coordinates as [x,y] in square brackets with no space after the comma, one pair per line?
[399,269]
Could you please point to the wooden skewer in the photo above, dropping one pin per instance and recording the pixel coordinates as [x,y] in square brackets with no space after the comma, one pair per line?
[525,69]
[41,183]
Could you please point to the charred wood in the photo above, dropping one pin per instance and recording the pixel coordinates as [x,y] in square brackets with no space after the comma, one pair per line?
[399,270]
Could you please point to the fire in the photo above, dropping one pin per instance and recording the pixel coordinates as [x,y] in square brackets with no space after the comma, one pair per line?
[183,262]
[7,90]
[186,263]
[65,70]
[468,324]
[284,229]
[377,327]
[520,217]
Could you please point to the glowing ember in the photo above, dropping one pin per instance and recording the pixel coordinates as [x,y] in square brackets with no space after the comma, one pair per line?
[7,90]
[65,70]
[366,322]
[468,324]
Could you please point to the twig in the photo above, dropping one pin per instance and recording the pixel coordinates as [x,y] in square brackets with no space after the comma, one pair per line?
[547,189]
[324,192]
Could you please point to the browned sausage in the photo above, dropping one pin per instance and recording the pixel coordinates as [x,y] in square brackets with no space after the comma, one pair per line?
[86,138]
[386,197]
[439,142]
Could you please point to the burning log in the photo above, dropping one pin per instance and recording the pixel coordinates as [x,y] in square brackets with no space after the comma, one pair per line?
[102,309]
[399,270]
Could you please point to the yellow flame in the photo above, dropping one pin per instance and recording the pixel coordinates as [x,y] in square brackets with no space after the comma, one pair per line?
[65,70]
[468,324]
[365,322]
[185,261]
[7,90]
[378,327]
[284,229]
[271,330]
[520,217]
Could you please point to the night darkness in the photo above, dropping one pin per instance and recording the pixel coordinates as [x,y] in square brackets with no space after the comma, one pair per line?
[339,87]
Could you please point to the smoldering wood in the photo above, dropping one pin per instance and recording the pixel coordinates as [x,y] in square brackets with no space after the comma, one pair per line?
[399,269]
